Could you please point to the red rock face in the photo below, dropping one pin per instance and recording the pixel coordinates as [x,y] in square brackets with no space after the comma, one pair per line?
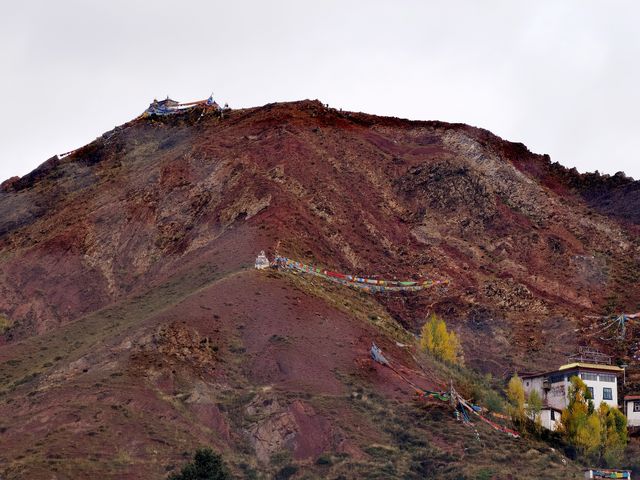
[129,258]
[348,191]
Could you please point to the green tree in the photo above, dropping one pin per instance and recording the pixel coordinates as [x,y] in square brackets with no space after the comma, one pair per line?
[442,344]
[206,465]
[515,395]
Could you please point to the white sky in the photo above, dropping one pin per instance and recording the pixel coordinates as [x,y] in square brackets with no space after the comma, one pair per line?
[563,77]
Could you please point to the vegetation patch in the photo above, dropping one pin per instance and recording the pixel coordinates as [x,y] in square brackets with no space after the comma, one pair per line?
[5,324]
[358,304]
[206,465]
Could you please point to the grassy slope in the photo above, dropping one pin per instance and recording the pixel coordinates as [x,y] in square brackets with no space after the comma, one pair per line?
[76,423]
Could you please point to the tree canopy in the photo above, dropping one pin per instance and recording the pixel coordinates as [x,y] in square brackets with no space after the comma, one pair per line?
[516,397]
[443,344]
[599,434]
[206,465]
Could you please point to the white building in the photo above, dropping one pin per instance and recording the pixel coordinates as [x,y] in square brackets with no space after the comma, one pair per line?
[550,418]
[553,387]
[632,410]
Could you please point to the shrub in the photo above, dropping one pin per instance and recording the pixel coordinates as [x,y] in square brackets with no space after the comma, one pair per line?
[286,472]
[5,324]
[484,474]
[493,401]
[324,459]
[206,465]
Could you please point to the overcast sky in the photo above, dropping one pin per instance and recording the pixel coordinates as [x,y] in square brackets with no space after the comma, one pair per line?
[563,77]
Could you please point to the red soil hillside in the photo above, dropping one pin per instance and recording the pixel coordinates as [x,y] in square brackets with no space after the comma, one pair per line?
[134,327]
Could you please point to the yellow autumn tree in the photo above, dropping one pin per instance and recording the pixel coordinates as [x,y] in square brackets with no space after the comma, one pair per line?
[574,418]
[5,323]
[599,434]
[515,395]
[588,436]
[613,434]
[443,344]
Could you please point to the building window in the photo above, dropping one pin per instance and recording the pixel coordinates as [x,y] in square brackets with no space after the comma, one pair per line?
[636,406]
[556,378]
[607,378]
[588,376]
[553,414]
[607,394]
[590,392]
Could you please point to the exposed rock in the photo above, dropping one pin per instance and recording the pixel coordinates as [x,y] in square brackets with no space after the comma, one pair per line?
[295,427]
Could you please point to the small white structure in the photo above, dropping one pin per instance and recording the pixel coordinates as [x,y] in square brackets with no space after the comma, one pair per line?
[632,410]
[550,418]
[262,261]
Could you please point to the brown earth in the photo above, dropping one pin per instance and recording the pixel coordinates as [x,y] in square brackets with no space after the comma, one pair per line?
[135,328]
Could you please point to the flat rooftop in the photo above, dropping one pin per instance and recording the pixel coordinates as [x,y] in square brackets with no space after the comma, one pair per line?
[579,366]
[590,366]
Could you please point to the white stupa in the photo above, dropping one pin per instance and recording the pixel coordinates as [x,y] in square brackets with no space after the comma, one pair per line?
[262,261]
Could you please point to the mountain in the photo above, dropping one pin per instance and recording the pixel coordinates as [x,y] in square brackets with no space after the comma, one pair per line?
[136,329]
